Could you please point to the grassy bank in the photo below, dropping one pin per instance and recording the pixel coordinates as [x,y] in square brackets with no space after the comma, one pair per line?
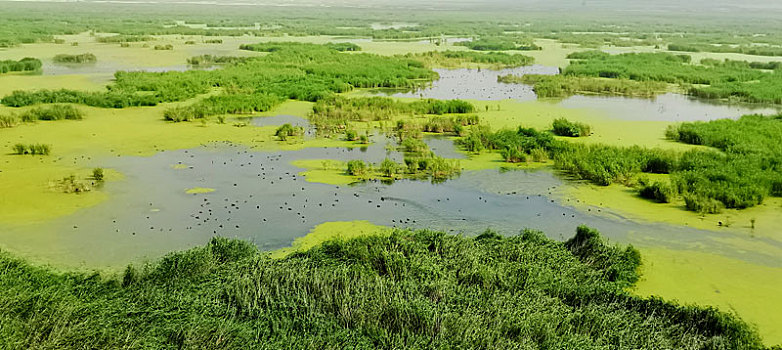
[402,290]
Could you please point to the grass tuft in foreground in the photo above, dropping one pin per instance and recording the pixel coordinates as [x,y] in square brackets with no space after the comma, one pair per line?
[402,290]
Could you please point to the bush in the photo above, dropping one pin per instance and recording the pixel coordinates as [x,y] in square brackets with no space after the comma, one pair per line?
[539,155]
[26,64]
[7,121]
[82,58]
[702,204]
[657,191]
[54,112]
[32,149]
[388,168]
[164,47]
[513,154]
[357,168]
[287,130]
[20,149]
[344,47]
[97,174]
[351,135]
[564,127]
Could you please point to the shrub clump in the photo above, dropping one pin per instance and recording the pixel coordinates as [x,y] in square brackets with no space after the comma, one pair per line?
[287,130]
[564,127]
[51,113]
[657,191]
[32,149]
[82,58]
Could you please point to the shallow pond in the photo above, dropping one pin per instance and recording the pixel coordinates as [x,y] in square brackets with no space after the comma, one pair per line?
[258,196]
[668,107]
[478,84]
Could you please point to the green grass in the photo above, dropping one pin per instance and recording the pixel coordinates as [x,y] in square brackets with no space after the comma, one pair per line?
[401,290]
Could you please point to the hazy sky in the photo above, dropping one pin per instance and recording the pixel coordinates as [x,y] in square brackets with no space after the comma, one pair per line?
[634,5]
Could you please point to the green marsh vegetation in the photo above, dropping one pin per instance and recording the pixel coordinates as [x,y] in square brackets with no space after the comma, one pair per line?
[725,81]
[564,86]
[32,149]
[52,112]
[741,64]
[210,60]
[305,72]
[419,163]
[8,121]
[287,130]
[344,47]
[75,59]
[98,174]
[754,50]
[745,168]
[437,291]
[515,146]
[228,103]
[124,38]
[335,113]
[504,43]
[71,184]
[458,58]
[163,47]
[27,64]
[564,127]
[746,171]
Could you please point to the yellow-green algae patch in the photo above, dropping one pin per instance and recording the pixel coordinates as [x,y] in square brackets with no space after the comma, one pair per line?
[325,171]
[611,131]
[330,231]
[752,291]
[79,146]
[333,172]
[12,82]
[199,190]
[625,201]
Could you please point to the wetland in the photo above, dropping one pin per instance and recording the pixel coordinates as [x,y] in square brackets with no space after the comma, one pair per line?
[384,136]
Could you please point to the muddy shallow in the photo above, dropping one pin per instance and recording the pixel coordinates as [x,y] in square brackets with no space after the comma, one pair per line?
[259,197]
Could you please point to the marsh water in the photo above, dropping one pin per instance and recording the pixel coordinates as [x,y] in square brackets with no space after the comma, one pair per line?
[482,84]
[259,196]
